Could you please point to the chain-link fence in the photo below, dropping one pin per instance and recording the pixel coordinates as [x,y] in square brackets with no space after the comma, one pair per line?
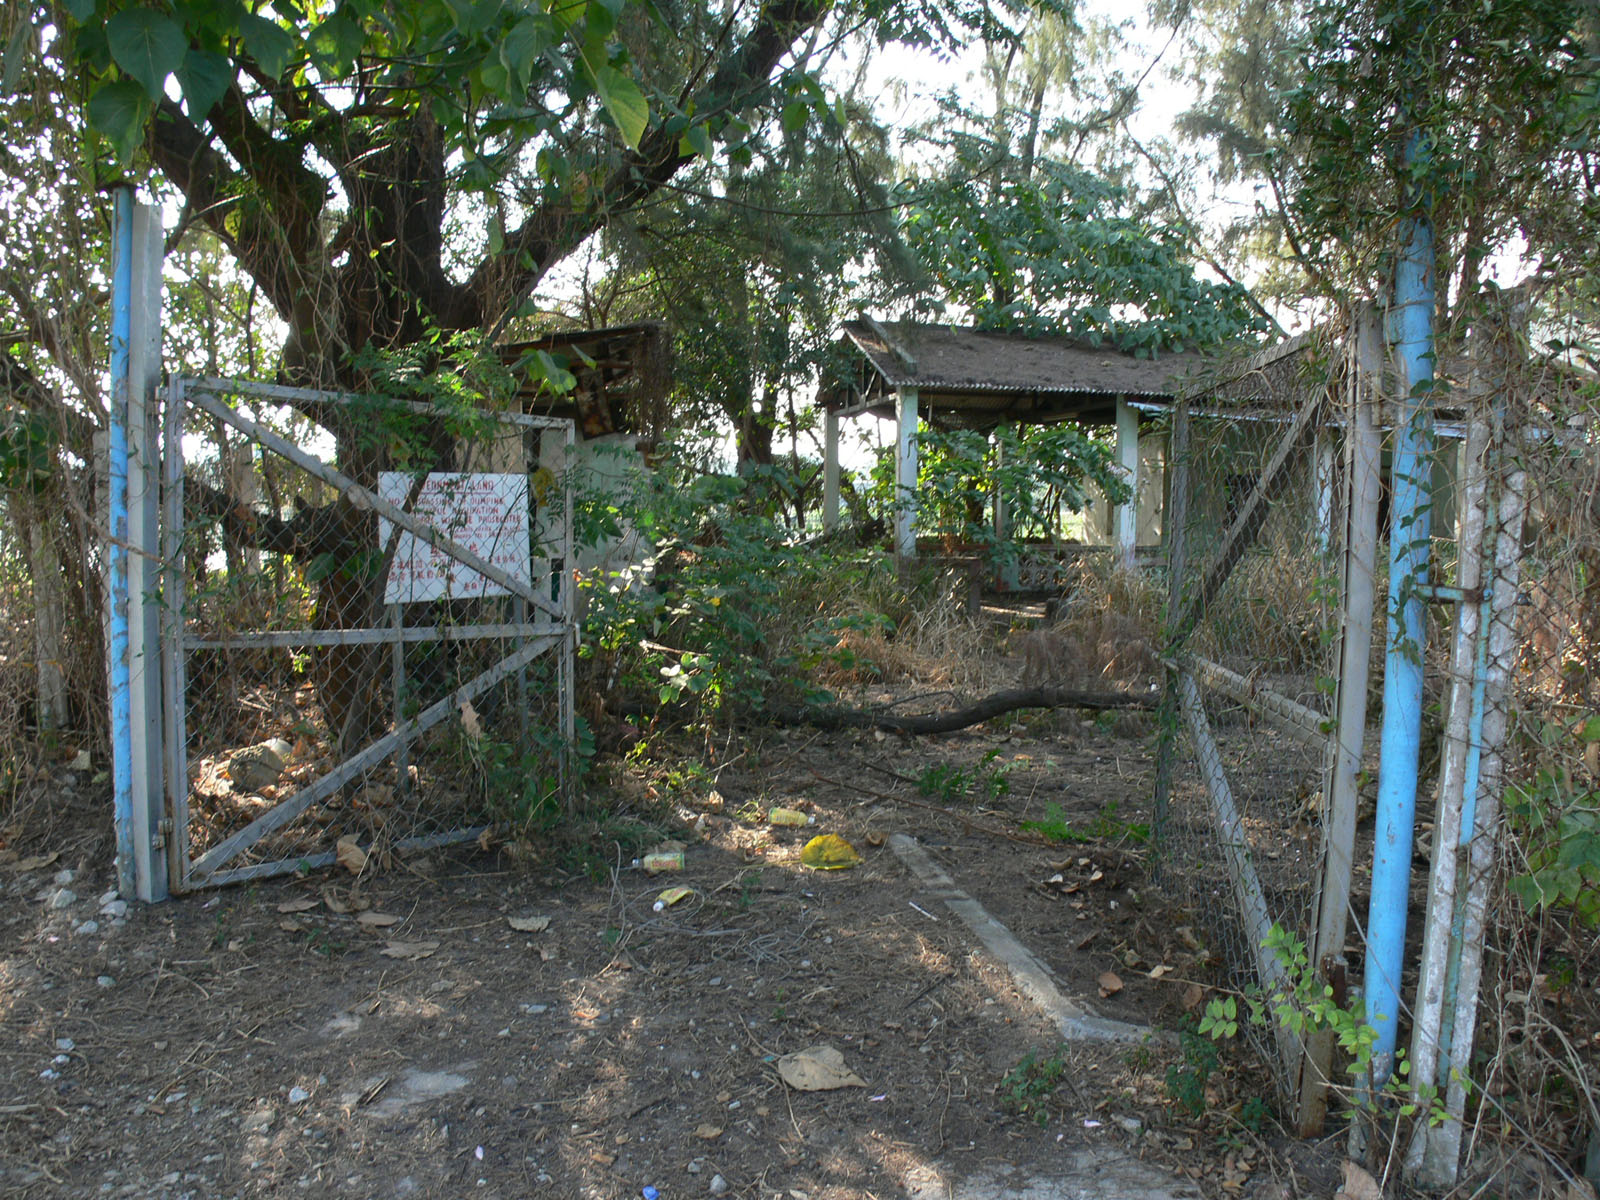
[368,658]
[1530,912]
[1259,510]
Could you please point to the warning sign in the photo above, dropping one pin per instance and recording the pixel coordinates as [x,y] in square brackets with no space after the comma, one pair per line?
[488,514]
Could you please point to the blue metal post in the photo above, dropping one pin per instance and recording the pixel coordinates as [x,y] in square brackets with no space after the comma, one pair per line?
[1409,531]
[117,539]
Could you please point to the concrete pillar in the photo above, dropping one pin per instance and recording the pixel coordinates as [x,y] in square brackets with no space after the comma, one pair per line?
[1127,515]
[830,470]
[905,473]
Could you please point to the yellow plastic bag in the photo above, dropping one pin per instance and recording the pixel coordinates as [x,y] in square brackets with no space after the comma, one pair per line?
[829,852]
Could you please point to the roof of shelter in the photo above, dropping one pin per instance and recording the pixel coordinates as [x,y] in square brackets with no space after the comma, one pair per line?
[623,373]
[985,377]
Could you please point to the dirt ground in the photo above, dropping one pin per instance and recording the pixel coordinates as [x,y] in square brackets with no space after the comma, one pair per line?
[464,1023]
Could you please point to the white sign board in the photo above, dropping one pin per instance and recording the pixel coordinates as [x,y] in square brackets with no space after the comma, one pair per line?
[488,514]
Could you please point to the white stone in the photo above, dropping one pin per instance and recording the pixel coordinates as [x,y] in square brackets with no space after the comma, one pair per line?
[115,909]
[298,1095]
[718,1185]
[65,898]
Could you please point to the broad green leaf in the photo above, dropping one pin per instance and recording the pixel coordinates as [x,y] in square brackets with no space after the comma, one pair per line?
[337,41]
[118,110]
[81,10]
[147,46]
[696,140]
[18,50]
[794,116]
[527,40]
[598,22]
[566,12]
[269,44]
[204,76]
[473,17]
[624,102]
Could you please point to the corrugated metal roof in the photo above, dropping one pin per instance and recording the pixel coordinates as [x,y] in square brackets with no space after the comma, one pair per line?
[946,358]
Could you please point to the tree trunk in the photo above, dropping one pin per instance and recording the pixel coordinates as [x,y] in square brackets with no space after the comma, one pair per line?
[49,615]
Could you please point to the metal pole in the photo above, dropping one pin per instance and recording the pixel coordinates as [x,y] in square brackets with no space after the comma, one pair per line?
[1409,531]
[905,492]
[1175,523]
[1364,485]
[1127,520]
[830,470]
[117,537]
[146,706]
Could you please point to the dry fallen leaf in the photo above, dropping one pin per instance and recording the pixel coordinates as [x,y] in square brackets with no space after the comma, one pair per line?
[351,856]
[708,1132]
[409,950]
[601,1157]
[291,926]
[335,905]
[1193,996]
[1160,969]
[377,919]
[529,924]
[470,720]
[38,861]
[1358,1184]
[1110,984]
[303,904]
[817,1069]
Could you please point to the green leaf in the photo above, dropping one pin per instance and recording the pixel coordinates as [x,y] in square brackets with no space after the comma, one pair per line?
[696,140]
[147,46]
[794,116]
[599,21]
[566,12]
[204,76]
[81,10]
[624,102]
[337,41]
[17,50]
[118,110]
[527,40]
[268,43]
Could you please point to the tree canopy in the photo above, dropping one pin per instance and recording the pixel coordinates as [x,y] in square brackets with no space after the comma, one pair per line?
[378,167]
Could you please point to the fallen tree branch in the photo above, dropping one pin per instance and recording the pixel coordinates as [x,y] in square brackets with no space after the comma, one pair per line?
[986,709]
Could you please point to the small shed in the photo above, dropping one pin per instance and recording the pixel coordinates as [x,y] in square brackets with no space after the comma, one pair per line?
[956,376]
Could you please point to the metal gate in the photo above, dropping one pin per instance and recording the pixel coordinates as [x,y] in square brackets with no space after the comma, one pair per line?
[356,670]
[1272,555]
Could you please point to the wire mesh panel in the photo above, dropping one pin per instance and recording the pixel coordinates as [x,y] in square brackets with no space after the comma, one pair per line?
[1254,615]
[370,656]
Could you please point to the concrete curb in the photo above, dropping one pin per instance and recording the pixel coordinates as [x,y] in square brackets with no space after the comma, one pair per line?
[1073,1017]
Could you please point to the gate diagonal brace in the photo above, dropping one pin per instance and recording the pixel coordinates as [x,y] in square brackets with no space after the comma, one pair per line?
[363,497]
[291,808]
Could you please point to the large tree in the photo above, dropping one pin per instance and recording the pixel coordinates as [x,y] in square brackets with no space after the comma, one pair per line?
[381,167]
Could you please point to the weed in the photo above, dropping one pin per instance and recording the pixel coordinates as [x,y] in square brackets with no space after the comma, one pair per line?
[1255,1113]
[949,783]
[1186,1081]
[1026,1089]
[1106,826]
[1054,826]
[942,781]
[749,881]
